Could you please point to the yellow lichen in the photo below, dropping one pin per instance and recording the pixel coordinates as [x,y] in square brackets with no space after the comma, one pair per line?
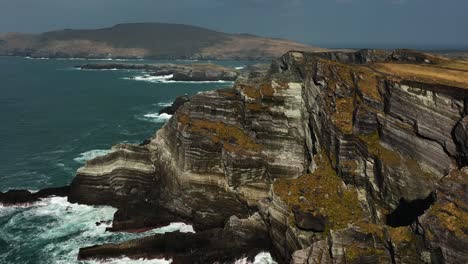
[354,252]
[266,89]
[400,235]
[183,119]
[368,84]
[451,217]
[343,117]
[389,157]
[324,193]
[251,91]
[220,131]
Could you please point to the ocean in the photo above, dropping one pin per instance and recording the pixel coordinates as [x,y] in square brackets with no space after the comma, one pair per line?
[53,118]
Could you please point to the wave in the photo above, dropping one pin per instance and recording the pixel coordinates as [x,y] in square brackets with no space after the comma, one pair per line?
[155,117]
[260,258]
[163,104]
[61,228]
[167,79]
[128,260]
[89,155]
[33,58]
[240,68]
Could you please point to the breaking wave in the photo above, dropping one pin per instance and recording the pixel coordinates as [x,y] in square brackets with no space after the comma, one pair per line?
[155,117]
[61,228]
[261,258]
[167,79]
[163,104]
[89,155]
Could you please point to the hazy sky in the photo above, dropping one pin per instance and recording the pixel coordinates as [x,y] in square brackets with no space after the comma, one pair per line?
[332,23]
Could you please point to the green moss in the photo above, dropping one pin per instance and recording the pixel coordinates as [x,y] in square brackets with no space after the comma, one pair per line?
[354,252]
[389,157]
[251,91]
[267,89]
[225,132]
[353,76]
[400,235]
[326,195]
[452,217]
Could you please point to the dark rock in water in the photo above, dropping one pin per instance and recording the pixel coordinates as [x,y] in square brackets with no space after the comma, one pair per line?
[240,237]
[136,218]
[13,197]
[179,101]
[145,142]
[179,72]
[310,222]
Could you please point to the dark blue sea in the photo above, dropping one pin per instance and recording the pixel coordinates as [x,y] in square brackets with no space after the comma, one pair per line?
[54,117]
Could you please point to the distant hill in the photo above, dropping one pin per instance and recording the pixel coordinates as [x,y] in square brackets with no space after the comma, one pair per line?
[147,40]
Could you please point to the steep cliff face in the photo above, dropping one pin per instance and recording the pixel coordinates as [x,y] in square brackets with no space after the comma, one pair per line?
[348,158]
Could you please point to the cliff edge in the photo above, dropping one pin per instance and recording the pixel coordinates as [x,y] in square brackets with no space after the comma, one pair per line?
[332,157]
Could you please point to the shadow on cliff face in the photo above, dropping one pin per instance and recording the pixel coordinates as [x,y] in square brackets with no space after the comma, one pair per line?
[408,211]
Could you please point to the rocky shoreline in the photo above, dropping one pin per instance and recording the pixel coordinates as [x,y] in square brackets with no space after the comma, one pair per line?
[176,72]
[333,157]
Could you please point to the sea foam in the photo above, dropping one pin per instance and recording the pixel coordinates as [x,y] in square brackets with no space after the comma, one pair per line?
[89,155]
[156,117]
[260,258]
[62,228]
[167,79]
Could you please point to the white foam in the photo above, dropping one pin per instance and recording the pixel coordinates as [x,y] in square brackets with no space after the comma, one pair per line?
[89,155]
[260,258]
[164,104]
[74,225]
[167,79]
[156,117]
[128,260]
[240,68]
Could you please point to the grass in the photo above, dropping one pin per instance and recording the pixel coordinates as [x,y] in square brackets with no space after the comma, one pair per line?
[220,132]
[427,73]
[325,193]
[353,76]
[452,217]
[343,117]
[354,251]
[400,235]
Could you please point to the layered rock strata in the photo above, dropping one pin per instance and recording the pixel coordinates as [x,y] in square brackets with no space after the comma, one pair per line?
[347,157]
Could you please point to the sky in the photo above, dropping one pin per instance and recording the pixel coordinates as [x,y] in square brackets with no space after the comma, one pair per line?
[430,24]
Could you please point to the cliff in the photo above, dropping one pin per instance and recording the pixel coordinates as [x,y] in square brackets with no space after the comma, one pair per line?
[147,40]
[335,157]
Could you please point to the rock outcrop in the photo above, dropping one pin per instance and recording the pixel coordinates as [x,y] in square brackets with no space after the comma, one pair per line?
[178,102]
[347,158]
[15,197]
[175,72]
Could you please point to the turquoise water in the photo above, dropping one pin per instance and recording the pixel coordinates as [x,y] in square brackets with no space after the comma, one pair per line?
[53,118]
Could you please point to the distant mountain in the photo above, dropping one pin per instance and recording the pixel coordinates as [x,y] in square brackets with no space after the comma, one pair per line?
[147,40]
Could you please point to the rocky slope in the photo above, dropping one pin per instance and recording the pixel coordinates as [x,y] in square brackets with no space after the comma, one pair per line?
[338,157]
[147,40]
